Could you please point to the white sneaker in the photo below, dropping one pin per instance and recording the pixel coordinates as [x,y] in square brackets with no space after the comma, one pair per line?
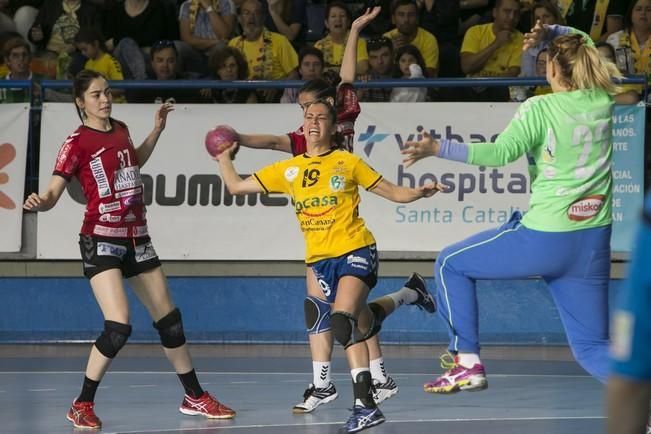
[314,397]
[384,391]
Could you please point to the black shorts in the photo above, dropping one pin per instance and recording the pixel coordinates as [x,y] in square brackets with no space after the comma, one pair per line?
[132,256]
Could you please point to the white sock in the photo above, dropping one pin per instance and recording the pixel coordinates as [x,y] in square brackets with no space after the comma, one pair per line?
[403,296]
[377,370]
[320,374]
[468,360]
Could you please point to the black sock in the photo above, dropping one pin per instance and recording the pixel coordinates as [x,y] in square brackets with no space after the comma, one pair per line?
[190,383]
[362,389]
[88,390]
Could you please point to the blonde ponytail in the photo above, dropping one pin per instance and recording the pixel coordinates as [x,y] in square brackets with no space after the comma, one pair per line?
[581,65]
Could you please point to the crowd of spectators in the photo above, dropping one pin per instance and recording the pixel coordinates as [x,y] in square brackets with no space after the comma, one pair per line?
[278,39]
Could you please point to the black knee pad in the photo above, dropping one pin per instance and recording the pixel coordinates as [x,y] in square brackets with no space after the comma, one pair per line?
[113,338]
[170,329]
[344,327]
[317,315]
[378,312]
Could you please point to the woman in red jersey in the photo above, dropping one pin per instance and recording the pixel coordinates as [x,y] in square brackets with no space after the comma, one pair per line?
[115,244]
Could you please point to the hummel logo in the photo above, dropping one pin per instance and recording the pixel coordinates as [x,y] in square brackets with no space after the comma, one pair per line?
[372,138]
[324,373]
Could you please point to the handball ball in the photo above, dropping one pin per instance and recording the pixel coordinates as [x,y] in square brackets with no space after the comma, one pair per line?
[219,138]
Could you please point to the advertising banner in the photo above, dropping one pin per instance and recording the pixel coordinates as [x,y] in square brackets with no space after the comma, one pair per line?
[192,216]
[14,127]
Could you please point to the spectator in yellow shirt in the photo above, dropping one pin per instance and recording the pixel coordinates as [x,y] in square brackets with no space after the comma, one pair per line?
[632,45]
[494,50]
[337,20]
[270,55]
[404,15]
[90,43]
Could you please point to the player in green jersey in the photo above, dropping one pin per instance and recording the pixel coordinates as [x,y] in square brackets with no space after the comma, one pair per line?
[565,235]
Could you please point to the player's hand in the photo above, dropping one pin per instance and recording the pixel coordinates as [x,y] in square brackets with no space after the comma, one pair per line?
[228,153]
[33,202]
[414,151]
[534,37]
[431,188]
[160,119]
[363,20]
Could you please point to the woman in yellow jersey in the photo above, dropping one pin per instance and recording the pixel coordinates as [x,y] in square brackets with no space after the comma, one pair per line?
[323,183]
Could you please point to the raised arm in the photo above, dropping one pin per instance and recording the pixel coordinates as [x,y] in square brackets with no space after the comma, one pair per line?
[399,194]
[143,152]
[47,200]
[348,69]
[234,182]
[521,135]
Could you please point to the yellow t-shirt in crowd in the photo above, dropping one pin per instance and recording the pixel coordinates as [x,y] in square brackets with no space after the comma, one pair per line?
[283,58]
[337,55]
[106,65]
[481,36]
[326,199]
[426,44]
[110,68]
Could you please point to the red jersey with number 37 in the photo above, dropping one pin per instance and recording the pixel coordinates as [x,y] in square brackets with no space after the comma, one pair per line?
[106,165]
[348,110]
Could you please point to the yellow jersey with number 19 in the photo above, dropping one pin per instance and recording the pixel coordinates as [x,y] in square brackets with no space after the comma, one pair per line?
[324,190]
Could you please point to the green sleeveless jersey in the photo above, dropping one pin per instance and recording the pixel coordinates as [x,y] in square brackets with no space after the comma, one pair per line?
[567,139]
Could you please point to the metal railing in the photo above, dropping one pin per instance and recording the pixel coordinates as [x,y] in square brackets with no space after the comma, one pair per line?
[32,151]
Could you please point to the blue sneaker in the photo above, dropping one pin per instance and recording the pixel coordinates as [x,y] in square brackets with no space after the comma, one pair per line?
[362,418]
[425,300]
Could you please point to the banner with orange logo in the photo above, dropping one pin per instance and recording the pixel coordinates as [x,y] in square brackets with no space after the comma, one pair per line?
[14,119]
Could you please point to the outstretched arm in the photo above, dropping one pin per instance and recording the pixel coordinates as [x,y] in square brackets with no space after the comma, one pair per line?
[143,152]
[233,181]
[47,200]
[348,69]
[399,194]
[266,141]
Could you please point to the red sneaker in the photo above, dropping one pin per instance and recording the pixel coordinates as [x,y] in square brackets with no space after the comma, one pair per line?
[82,415]
[206,405]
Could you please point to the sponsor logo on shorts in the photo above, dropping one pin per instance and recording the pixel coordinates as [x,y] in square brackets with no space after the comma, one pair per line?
[145,252]
[352,259]
[110,218]
[140,231]
[337,183]
[109,249]
[291,173]
[110,232]
[128,177]
[97,168]
[586,207]
[109,207]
